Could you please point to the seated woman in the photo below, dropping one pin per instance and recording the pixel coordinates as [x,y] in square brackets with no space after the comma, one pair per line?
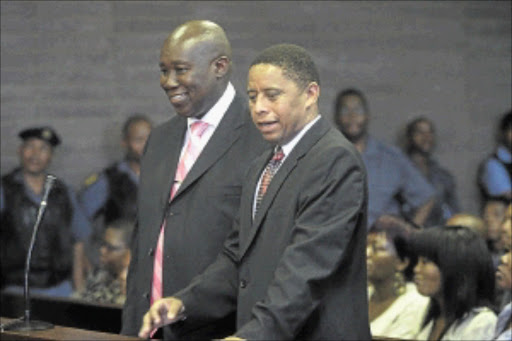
[395,307]
[455,270]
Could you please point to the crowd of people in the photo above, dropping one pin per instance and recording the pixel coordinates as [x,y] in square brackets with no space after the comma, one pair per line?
[301,229]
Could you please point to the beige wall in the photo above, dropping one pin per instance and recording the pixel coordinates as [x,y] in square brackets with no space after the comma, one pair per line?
[83,67]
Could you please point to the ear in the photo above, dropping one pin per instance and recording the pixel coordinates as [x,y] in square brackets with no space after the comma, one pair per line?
[126,258]
[221,66]
[312,92]
[402,264]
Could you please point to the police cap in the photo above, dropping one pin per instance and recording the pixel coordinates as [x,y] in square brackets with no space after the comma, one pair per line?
[44,133]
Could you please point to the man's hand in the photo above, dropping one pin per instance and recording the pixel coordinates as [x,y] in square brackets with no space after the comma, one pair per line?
[162,312]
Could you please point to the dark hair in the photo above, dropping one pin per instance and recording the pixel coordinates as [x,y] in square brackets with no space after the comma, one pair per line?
[398,232]
[350,92]
[506,121]
[411,128]
[295,61]
[496,198]
[465,263]
[126,227]
[133,119]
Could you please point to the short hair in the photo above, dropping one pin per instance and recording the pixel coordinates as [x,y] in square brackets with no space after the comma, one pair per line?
[411,126]
[506,121]
[294,60]
[133,119]
[398,232]
[126,227]
[350,92]
[465,263]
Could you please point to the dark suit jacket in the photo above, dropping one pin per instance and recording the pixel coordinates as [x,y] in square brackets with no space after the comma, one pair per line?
[298,271]
[201,213]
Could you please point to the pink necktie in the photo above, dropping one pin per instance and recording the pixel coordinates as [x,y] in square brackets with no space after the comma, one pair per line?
[189,156]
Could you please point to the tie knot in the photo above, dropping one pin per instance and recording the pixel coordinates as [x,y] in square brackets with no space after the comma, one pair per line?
[198,128]
[278,154]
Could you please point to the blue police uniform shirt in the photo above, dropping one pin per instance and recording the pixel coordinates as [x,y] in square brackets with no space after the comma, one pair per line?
[94,196]
[495,177]
[390,172]
[80,226]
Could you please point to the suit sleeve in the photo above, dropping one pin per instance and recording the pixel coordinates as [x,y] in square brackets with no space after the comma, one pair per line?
[212,295]
[329,210]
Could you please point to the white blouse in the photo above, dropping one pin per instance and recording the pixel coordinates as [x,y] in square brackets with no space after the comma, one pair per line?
[403,318]
[478,324]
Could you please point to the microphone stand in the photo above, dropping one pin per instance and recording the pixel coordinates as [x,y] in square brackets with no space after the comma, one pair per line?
[25,323]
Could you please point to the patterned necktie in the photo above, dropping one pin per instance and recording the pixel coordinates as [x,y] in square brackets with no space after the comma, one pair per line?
[268,174]
[189,156]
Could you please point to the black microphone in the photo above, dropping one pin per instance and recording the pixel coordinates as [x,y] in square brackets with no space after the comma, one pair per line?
[24,323]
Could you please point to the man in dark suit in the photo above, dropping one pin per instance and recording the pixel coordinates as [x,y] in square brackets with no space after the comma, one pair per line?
[294,266]
[191,223]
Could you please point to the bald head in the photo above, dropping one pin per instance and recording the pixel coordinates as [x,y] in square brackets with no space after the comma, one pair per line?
[473,222]
[205,35]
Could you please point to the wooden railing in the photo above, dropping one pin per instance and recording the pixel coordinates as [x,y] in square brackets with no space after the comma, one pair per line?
[65,312]
[73,319]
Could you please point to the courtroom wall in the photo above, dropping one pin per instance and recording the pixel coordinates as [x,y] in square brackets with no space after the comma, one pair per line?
[84,66]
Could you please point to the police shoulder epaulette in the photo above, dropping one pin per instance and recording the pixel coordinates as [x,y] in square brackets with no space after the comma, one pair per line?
[91,179]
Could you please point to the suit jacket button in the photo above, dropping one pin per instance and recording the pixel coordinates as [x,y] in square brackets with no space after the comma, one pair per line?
[145,295]
[151,252]
[243,283]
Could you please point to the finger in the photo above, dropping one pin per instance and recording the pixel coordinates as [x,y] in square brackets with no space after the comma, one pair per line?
[157,312]
[175,307]
[146,328]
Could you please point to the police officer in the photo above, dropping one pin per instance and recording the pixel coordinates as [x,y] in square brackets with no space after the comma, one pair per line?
[59,245]
[112,194]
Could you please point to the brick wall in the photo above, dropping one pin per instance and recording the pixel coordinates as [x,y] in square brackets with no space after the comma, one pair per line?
[83,67]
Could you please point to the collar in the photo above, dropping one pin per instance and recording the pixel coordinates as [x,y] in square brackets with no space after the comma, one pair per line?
[215,114]
[287,148]
[504,154]
[123,166]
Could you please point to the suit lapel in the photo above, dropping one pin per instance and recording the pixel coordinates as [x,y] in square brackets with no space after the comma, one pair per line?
[318,130]
[247,200]
[222,139]
[174,144]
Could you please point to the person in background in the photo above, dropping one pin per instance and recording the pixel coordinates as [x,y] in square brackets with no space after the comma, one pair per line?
[506,241]
[472,221]
[420,143]
[506,233]
[396,309]
[294,266]
[58,250]
[495,172]
[455,271]
[191,174]
[395,185]
[107,284]
[112,194]
[503,331]
[494,212]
